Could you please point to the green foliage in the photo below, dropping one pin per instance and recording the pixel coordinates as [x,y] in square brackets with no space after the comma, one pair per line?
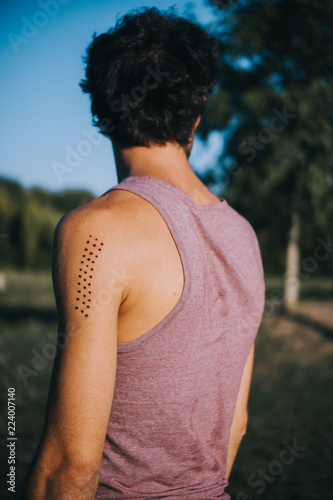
[275,104]
[28,219]
[61,202]
[28,234]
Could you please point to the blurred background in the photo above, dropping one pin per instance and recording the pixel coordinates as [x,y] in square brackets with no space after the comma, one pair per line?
[264,143]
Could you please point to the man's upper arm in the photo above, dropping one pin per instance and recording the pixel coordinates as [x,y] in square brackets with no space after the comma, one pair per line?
[240,415]
[88,264]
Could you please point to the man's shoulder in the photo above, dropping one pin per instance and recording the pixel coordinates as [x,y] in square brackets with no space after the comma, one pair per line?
[241,223]
[108,225]
[107,211]
[123,219]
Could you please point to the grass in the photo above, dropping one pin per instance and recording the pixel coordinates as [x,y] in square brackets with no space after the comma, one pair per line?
[289,399]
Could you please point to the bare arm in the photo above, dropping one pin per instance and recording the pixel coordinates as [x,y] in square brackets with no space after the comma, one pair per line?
[67,463]
[239,423]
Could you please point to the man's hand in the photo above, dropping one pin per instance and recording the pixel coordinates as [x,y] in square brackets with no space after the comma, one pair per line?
[88,255]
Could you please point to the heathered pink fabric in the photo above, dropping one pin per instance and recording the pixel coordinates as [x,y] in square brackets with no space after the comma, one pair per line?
[176,385]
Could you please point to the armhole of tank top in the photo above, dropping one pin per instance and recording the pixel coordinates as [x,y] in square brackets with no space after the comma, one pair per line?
[134,344]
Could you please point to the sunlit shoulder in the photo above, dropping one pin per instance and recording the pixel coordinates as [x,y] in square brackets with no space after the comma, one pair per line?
[93,245]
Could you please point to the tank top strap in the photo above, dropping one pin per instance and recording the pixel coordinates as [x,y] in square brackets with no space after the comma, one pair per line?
[176,212]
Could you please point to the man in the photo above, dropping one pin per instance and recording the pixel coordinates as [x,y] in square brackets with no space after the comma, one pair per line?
[159,289]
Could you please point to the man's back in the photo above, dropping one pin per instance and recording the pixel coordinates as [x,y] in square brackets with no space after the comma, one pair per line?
[195,301]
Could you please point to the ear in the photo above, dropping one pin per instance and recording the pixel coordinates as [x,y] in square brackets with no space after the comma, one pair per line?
[197,121]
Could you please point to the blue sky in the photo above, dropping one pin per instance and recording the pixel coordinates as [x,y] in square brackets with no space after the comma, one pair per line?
[44,112]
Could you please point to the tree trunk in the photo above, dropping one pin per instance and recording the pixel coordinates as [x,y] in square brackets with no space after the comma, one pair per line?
[292,282]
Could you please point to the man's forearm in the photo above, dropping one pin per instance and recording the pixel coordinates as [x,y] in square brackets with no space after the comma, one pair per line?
[234,444]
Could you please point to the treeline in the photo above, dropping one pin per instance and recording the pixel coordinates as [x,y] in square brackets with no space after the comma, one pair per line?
[28,218]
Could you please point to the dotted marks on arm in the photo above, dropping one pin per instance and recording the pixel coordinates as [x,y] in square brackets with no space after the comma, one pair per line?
[85,274]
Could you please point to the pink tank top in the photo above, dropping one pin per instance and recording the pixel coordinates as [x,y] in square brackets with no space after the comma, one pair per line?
[176,385]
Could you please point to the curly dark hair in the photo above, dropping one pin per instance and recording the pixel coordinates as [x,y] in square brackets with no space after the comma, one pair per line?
[147,77]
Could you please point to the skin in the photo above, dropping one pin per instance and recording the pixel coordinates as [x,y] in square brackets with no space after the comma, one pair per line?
[240,418]
[134,282]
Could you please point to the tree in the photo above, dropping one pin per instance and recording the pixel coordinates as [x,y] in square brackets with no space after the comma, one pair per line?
[274,102]
[28,218]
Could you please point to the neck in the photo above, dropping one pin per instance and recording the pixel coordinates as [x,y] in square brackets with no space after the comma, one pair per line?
[168,163]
